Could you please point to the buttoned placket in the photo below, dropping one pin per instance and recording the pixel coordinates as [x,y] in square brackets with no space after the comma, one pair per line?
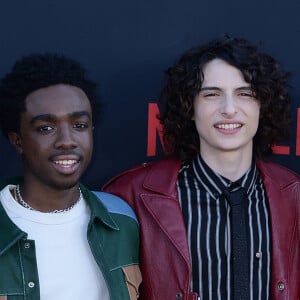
[29,268]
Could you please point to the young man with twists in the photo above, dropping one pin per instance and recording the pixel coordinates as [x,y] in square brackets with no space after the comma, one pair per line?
[58,239]
[218,220]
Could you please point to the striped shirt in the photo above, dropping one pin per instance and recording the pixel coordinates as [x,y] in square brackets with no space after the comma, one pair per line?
[207,217]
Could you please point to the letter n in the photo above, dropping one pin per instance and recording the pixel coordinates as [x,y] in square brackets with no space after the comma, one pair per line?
[298,133]
[283,150]
[154,128]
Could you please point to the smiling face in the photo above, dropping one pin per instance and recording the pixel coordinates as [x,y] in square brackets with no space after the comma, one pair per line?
[226,113]
[55,138]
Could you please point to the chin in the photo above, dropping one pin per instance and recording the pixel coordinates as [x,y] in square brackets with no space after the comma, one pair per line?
[64,185]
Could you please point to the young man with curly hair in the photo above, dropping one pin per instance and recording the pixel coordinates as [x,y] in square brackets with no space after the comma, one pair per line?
[218,220]
[58,239]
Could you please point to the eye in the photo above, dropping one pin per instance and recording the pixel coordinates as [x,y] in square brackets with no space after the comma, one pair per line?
[45,129]
[80,125]
[210,95]
[246,94]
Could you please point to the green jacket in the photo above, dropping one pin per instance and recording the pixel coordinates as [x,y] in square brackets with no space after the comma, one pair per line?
[113,235]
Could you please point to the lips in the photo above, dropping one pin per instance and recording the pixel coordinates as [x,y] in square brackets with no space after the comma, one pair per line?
[65,162]
[228,126]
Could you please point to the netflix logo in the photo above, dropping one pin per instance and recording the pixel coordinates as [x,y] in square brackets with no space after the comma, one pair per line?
[155,131]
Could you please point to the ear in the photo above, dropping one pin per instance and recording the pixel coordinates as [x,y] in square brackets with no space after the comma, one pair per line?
[16,140]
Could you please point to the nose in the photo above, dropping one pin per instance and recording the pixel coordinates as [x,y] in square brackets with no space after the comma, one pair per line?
[228,108]
[65,138]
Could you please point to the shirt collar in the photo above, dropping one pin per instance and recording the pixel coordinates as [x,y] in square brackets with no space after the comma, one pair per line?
[215,183]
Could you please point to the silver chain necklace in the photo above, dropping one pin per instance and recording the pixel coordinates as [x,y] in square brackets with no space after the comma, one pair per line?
[56,211]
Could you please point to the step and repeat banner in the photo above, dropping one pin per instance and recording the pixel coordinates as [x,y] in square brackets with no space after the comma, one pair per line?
[126,46]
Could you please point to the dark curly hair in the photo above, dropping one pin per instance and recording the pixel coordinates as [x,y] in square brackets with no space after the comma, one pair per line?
[184,80]
[37,71]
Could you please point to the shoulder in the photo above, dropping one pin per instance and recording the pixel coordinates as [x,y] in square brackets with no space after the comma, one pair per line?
[111,210]
[115,205]
[278,173]
[138,173]
[118,228]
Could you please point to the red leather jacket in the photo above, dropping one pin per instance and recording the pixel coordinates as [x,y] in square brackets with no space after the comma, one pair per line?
[165,259]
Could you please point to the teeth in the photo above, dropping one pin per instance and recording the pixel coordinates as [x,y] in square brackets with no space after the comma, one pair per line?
[65,162]
[229,126]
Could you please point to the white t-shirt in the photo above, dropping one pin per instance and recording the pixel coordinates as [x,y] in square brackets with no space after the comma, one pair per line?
[66,267]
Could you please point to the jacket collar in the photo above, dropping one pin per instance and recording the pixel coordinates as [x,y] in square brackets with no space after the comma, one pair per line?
[162,177]
[9,232]
[98,210]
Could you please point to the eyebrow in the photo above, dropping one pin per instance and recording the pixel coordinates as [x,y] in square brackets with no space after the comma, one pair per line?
[214,88]
[209,88]
[51,117]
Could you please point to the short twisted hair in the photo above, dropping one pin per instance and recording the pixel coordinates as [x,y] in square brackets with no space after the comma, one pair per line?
[184,80]
[37,71]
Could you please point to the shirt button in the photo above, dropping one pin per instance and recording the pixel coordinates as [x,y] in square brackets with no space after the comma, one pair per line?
[31,284]
[27,245]
[258,254]
[179,296]
[281,286]
[216,195]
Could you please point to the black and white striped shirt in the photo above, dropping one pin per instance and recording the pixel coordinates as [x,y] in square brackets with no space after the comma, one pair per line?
[207,217]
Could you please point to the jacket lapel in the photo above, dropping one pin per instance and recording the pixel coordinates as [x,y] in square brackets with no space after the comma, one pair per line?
[167,214]
[162,203]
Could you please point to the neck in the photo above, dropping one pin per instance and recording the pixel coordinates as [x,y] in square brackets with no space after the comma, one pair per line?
[48,199]
[230,165]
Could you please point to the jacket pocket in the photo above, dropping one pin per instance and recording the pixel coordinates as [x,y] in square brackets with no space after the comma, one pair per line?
[133,280]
